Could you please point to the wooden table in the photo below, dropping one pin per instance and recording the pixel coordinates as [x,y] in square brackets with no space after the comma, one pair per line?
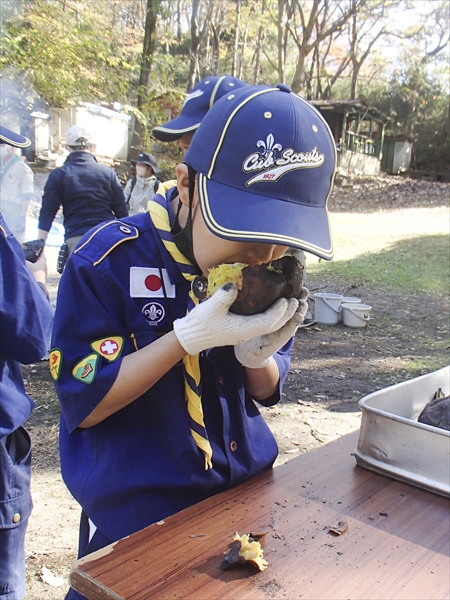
[396,546]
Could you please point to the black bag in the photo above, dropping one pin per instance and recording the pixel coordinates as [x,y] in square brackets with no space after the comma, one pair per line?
[62,258]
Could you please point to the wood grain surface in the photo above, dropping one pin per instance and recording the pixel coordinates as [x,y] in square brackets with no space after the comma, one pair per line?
[396,545]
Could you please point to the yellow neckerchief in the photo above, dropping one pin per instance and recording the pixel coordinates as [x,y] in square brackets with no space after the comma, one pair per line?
[192,384]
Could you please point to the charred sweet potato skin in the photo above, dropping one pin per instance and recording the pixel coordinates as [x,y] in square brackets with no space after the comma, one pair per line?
[263,285]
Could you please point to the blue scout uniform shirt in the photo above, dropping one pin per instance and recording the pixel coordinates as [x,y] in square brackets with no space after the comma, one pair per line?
[25,325]
[141,464]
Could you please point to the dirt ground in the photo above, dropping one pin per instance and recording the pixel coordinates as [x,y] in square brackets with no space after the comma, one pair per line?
[332,368]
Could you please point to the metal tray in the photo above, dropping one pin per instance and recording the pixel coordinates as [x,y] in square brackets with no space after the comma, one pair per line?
[393,443]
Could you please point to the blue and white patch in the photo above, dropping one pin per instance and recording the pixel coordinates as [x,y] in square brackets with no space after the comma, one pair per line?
[155,313]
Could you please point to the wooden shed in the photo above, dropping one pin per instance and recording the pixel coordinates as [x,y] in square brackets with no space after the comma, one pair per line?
[358,131]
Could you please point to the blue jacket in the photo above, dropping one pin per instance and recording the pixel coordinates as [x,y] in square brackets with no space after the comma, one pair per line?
[25,324]
[89,193]
[141,464]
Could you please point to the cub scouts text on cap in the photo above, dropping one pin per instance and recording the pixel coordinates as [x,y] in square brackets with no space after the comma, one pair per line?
[266,161]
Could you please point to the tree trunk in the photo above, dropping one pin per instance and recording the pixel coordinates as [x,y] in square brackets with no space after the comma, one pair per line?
[299,75]
[235,61]
[179,32]
[195,43]
[280,41]
[258,55]
[146,65]
[353,86]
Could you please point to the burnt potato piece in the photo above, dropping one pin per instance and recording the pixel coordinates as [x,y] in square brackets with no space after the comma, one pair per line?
[260,286]
[437,411]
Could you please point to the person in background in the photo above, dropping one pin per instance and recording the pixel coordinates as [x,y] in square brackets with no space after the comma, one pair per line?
[26,319]
[16,184]
[140,189]
[194,109]
[89,192]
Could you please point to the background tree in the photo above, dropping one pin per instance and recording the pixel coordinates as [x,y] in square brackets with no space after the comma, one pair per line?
[145,54]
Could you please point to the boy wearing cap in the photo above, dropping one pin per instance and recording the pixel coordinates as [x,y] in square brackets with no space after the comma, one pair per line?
[194,109]
[158,406]
[25,324]
[140,189]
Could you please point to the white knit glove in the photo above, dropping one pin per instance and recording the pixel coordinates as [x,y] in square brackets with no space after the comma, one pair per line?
[210,324]
[256,353]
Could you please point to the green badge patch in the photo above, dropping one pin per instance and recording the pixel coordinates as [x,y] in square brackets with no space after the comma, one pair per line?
[86,369]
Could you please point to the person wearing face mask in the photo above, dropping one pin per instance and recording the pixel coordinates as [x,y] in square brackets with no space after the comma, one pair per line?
[16,187]
[140,189]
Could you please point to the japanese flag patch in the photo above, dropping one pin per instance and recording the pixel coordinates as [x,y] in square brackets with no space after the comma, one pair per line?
[146,282]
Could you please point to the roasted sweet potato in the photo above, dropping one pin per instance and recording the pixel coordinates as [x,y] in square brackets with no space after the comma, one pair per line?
[437,411]
[260,286]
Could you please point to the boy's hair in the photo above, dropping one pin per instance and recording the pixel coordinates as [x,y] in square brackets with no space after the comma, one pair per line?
[196,105]
[266,161]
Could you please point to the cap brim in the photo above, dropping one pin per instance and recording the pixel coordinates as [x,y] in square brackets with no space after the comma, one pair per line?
[143,162]
[13,139]
[173,130]
[264,219]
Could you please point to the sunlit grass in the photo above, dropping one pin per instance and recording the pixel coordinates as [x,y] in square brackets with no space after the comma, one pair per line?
[416,265]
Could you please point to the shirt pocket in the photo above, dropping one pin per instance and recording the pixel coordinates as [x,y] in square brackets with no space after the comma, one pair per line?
[11,187]
[15,501]
[141,339]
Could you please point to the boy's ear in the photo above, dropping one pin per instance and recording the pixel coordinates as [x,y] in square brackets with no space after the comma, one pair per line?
[183,183]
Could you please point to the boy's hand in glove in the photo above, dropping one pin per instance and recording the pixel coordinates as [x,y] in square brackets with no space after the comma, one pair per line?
[210,324]
[256,353]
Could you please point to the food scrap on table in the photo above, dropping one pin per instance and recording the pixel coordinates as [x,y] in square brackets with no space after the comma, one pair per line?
[245,548]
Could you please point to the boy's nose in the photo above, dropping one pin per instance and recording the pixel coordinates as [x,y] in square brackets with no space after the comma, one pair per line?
[264,253]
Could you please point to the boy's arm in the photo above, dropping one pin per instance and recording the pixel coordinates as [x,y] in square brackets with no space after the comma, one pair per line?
[135,377]
[26,317]
[262,383]
[51,201]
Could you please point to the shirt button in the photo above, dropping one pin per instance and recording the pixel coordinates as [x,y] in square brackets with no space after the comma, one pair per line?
[233,446]
[16,518]
[221,380]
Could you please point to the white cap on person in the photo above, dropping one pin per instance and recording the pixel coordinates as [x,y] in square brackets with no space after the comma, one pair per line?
[79,136]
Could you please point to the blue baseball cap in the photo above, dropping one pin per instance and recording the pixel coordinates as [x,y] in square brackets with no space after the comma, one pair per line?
[265,160]
[196,105]
[13,139]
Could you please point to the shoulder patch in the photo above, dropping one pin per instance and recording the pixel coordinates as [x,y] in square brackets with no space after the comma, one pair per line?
[86,369]
[55,361]
[104,239]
